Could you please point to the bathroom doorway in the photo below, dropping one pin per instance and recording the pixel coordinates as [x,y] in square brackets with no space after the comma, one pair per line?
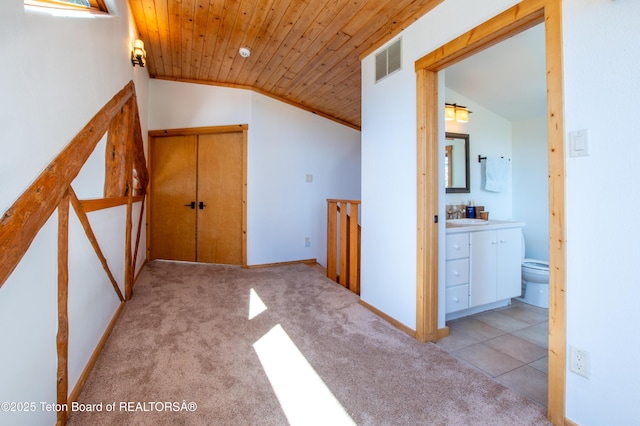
[505,88]
[521,17]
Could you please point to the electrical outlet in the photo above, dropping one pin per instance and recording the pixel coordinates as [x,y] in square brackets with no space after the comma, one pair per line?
[580,362]
[307,242]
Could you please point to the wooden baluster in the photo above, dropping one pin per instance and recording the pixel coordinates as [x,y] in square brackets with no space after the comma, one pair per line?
[353,249]
[344,250]
[332,231]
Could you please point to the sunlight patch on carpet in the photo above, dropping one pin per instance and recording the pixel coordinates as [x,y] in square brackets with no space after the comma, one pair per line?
[256,305]
[304,397]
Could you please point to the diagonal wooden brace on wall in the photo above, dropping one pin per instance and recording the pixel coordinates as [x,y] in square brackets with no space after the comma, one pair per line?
[84,220]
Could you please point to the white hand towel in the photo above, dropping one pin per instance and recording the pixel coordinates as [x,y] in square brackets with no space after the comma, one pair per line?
[496,170]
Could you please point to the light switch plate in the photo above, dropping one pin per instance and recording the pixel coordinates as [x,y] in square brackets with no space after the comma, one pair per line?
[579,143]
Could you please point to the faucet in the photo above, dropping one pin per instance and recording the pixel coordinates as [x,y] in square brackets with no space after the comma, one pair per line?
[454,212]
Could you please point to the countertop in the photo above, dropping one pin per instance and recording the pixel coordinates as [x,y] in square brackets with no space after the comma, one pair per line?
[491,224]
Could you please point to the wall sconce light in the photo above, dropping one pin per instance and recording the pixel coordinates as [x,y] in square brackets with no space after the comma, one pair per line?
[138,54]
[456,112]
[449,112]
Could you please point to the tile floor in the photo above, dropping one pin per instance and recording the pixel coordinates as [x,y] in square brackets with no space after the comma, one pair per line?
[509,344]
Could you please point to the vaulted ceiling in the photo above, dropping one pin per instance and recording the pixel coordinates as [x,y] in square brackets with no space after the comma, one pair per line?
[304,52]
[508,78]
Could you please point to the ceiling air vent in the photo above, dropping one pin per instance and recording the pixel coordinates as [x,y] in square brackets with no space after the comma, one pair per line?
[389,60]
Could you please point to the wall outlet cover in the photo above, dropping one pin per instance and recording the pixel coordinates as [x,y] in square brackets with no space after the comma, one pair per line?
[580,362]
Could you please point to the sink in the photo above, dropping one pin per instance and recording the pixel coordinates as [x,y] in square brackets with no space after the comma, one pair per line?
[467,221]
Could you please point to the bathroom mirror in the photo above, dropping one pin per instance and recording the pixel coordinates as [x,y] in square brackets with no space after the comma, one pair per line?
[456,163]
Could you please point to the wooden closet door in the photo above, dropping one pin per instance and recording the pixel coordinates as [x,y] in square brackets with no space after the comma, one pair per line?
[173,188]
[220,172]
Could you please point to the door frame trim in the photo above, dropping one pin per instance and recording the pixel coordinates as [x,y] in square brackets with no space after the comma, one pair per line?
[518,18]
[235,128]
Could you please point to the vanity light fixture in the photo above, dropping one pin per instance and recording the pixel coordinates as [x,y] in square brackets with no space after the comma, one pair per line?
[456,112]
[449,112]
[138,54]
[462,115]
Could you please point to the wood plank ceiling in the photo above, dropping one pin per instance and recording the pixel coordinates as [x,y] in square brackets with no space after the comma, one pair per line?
[304,52]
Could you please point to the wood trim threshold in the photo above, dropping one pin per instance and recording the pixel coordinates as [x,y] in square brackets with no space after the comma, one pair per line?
[389,319]
[310,262]
[442,332]
[75,393]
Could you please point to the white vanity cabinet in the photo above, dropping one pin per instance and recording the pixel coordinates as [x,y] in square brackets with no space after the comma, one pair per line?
[483,266]
[457,272]
[495,265]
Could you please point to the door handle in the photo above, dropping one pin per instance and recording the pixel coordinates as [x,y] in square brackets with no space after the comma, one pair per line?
[191,204]
[201,205]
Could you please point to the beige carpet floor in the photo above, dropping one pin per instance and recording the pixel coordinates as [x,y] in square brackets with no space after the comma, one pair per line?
[220,345]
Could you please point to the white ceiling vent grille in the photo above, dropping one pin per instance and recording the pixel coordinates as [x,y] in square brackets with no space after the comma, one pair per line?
[389,60]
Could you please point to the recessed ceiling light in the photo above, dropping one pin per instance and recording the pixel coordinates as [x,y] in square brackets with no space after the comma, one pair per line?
[244,52]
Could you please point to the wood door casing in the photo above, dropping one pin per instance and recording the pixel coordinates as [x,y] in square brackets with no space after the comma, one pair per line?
[506,24]
[173,188]
[220,181]
[205,165]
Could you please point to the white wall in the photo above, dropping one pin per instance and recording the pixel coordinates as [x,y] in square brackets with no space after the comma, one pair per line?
[284,145]
[489,135]
[58,72]
[531,184]
[600,72]
[388,270]
[388,266]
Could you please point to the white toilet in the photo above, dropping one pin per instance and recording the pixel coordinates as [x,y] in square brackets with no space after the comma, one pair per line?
[535,281]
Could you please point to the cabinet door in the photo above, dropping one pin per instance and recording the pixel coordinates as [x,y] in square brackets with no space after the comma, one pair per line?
[509,270]
[457,245]
[197,184]
[173,189]
[456,272]
[457,298]
[220,180]
[482,274]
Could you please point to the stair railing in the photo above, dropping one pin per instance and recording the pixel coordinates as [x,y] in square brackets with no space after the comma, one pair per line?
[343,243]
